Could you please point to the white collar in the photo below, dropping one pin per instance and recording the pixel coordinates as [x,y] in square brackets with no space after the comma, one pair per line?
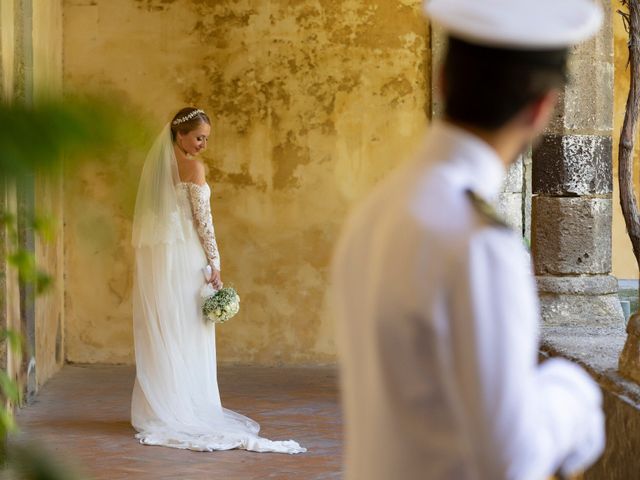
[484,172]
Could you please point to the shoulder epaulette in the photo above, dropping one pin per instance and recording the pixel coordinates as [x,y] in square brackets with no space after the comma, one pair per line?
[486,210]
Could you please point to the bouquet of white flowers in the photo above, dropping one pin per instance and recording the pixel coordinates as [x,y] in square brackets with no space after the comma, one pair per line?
[219,306]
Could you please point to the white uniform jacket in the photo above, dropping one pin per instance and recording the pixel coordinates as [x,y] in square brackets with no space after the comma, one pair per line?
[437,320]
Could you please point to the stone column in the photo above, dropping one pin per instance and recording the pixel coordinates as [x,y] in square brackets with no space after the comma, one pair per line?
[572,187]
[23,93]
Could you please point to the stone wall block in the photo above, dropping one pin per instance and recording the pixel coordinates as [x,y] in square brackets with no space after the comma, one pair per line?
[527,165]
[509,207]
[578,285]
[571,236]
[438,51]
[575,310]
[573,165]
[515,177]
[587,106]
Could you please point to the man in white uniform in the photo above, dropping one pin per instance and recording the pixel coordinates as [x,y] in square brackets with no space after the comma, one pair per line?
[436,307]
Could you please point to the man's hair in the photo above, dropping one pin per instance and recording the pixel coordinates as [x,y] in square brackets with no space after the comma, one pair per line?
[486,86]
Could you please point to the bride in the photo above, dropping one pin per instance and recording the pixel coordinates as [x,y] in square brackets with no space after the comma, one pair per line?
[175,401]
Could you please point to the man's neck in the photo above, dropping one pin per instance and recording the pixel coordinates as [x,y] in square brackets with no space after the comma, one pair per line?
[506,141]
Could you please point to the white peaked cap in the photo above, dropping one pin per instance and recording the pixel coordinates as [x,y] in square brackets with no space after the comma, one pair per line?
[518,24]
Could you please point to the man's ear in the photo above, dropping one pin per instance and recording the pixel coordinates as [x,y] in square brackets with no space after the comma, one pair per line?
[538,113]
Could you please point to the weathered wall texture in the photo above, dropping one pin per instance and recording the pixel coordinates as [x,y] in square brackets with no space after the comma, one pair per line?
[47,81]
[312,103]
[47,48]
[624,263]
[31,61]
[7,46]
[49,309]
[9,297]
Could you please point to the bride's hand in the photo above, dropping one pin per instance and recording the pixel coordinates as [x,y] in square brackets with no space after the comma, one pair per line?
[215,280]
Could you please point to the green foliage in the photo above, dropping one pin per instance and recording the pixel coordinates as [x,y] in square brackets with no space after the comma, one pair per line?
[34,463]
[14,339]
[35,139]
[23,260]
[44,226]
[38,141]
[9,388]
[7,422]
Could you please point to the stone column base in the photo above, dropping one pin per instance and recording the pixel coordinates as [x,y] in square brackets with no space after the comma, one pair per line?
[580,300]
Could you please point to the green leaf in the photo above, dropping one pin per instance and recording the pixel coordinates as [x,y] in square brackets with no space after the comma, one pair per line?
[45,226]
[44,282]
[65,128]
[7,422]
[7,218]
[9,388]
[23,260]
[15,341]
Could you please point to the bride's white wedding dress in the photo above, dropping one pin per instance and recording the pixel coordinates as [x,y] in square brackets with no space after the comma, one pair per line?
[175,401]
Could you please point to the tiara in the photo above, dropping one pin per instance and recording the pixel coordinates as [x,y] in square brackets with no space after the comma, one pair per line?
[187,117]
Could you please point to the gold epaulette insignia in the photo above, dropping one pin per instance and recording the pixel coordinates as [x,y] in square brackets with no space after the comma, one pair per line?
[486,210]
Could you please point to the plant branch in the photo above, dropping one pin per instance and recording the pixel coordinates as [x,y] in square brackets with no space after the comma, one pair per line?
[629,129]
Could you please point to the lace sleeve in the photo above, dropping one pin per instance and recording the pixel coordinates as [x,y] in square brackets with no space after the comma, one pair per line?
[201,210]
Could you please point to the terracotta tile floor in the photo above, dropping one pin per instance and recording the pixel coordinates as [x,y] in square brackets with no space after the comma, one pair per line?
[82,414]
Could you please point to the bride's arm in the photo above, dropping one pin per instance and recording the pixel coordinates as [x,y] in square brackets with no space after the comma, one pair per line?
[203,221]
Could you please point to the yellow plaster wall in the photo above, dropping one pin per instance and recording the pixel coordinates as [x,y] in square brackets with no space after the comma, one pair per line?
[47,82]
[7,46]
[9,284]
[49,309]
[312,102]
[31,60]
[624,263]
